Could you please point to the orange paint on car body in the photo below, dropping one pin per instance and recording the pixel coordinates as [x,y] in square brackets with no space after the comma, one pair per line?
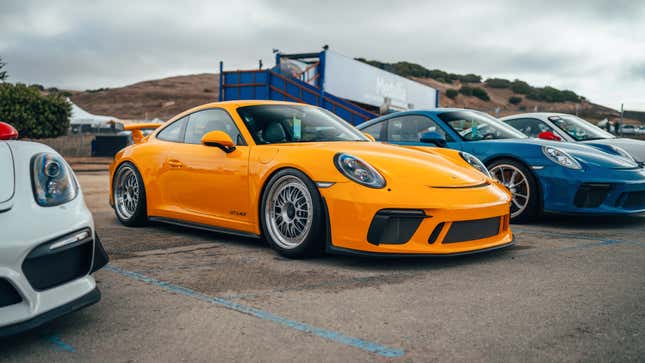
[210,186]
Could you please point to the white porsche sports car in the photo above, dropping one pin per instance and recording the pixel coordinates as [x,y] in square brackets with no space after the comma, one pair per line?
[48,245]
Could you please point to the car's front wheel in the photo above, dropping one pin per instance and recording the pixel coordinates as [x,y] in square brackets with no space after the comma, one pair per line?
[291,215]
[129,196]
[521,183]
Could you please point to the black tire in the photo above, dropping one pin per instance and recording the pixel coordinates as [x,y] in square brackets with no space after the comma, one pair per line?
[532,207]
[313,240]
[139,216]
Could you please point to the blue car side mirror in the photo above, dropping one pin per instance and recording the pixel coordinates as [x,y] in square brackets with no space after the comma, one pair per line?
[432,137]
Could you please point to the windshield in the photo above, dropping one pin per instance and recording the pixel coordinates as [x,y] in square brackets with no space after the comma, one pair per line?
[272,124]
[579,129]
[474,126]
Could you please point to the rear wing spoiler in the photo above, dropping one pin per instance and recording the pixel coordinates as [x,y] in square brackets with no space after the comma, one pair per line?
[137,135]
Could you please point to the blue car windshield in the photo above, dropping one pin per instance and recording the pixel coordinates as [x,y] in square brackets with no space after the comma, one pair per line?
[475,126]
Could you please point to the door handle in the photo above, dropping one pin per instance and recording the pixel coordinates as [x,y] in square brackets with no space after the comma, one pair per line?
[175,163]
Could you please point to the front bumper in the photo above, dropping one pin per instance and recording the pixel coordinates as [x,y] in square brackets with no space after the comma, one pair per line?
[84,301]
[358,221]
[45,279]
[615,192]
[47,284]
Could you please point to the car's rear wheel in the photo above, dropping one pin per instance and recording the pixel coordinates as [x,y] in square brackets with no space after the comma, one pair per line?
[291,215]
[522,184]
[129,196]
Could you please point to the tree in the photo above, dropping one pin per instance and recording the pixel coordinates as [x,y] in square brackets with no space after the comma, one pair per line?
[451,93]
[514,100]
[32,114]
[466,91]
[521,87]
[498,83]
[469,78]
[3,74]
[481,94]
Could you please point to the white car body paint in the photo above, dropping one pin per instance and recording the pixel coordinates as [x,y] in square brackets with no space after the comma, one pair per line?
[24,225]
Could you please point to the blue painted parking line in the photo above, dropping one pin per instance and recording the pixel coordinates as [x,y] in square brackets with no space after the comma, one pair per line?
[264,315]
[59,344]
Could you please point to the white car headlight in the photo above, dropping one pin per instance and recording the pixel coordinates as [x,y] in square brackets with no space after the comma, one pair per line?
[359,171]
[560,157]
[52,180]
[475,163]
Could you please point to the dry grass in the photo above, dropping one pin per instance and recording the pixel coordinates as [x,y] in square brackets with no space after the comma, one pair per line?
[162,98]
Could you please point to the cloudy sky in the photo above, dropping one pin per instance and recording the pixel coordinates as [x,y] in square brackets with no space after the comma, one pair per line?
[594,47]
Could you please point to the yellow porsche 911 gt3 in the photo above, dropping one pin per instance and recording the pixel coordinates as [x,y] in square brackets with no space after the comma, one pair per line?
[307,182]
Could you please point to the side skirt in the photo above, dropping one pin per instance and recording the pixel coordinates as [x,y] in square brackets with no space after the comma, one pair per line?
[204,227]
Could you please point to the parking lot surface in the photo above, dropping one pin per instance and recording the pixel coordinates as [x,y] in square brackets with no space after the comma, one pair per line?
[571,289]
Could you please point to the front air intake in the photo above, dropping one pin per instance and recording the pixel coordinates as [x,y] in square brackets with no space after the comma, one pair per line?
[394,226]
[8,294]
[59,261]
[591,195]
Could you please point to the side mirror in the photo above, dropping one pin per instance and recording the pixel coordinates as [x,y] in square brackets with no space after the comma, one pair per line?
[7,132]
[548,135]
[432,137]
[219,139]
[369,136]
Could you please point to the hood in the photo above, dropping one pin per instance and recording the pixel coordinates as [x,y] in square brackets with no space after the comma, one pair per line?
[401,164]
[7,177]
[585,154]
[635,147]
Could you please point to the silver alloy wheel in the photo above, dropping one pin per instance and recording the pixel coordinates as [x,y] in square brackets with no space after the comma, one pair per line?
[126,192]
[288,212]
[517,183]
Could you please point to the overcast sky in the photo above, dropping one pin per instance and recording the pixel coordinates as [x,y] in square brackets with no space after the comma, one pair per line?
[594,47]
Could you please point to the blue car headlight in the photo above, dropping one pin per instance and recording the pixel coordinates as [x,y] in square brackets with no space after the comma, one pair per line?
[622,152]
[52,180]
[561,157]
[359,171]
[475,163]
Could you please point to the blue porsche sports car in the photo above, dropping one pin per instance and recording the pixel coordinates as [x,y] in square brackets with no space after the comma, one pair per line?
[543,176]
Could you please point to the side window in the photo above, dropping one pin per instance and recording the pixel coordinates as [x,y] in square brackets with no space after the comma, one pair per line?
[377,131]
[531,127]
[174,132]
[410,128]
[205,121]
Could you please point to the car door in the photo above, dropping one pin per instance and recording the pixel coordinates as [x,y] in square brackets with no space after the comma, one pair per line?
[160,189]
[210,185]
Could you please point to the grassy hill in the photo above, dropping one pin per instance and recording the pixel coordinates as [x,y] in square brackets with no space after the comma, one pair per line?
[164,98]
[161,98]
[496,95]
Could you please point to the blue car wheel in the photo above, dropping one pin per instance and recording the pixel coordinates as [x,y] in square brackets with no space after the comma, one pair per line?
[522,184]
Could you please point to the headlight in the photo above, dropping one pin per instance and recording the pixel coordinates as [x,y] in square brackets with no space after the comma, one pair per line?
[52,180]
[560,157]
[358,171]
[622,152]
[475,163]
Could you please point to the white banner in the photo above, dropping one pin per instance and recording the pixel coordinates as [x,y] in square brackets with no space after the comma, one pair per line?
[356,81]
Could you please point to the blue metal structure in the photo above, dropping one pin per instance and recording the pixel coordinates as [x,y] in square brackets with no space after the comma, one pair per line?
[272,84]
[605,183]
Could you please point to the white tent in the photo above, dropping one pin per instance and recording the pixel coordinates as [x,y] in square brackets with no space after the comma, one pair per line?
[82,117]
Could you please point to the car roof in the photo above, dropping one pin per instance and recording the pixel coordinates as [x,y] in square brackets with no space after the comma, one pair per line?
[233,104]
[542,115]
